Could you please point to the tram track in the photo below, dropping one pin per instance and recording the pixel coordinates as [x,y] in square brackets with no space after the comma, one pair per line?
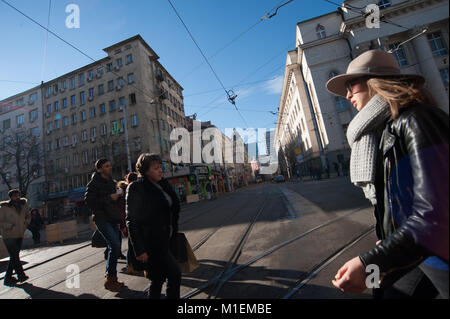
[301,283]
[226,276]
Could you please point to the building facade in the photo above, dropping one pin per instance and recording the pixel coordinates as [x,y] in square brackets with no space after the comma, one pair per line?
[21,134]
[84,117]
[312,123]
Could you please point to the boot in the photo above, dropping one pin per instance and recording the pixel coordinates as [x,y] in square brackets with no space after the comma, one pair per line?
[112,284]
[10,281]
[130,270]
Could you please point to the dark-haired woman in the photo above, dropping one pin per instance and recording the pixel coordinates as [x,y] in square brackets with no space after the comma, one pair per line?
[152,220]
[399,141]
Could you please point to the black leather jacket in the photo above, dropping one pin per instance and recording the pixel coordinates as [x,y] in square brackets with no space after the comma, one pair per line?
[412,192]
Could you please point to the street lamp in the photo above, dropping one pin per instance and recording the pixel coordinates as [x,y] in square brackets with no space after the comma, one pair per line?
[127,145]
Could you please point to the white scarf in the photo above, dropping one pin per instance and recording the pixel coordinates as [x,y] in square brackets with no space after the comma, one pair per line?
[363,142]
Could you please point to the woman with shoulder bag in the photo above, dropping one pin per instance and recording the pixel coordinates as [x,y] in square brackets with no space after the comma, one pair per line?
[399,157]
[152,220]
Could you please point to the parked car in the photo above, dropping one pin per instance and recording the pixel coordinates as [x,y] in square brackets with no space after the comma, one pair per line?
[279,179]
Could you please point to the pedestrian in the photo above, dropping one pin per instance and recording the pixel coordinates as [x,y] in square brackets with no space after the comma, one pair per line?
[336,168]
[399,157]
[133,266]
[14,219]
[121,189]
[36,225]
[152,219]
[101,197]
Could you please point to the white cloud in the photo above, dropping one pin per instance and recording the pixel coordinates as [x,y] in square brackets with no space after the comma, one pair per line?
[274,86]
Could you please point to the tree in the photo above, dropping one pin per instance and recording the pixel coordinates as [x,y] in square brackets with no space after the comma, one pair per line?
[21,158]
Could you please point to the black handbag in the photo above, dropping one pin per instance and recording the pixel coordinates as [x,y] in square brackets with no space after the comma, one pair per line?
[97,240]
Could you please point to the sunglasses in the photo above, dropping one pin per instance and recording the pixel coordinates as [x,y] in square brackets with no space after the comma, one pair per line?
[349,85]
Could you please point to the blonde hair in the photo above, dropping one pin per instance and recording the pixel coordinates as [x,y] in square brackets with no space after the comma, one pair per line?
[122,183]
[400,92]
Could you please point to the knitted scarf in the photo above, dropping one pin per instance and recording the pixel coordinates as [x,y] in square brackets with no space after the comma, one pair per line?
[363,142]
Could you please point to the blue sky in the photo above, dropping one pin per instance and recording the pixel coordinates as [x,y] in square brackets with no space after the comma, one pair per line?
[258,56]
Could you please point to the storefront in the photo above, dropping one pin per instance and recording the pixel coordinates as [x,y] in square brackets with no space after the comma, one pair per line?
[63,205]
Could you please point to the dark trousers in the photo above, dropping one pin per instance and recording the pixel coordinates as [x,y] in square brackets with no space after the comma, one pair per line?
[131,257]
[111,234]
[13,245]
[423,282]
[164,267]
[36,234]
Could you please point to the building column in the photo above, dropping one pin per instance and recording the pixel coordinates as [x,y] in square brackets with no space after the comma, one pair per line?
[430,71]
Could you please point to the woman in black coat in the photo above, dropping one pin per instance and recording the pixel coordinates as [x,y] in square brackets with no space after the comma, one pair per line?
[152,220]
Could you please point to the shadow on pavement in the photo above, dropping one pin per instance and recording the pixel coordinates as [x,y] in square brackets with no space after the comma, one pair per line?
[42,293]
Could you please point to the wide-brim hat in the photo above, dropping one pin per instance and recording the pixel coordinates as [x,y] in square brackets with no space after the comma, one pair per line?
[373,63]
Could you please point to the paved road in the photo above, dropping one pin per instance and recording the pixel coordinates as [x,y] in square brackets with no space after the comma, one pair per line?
[285,211]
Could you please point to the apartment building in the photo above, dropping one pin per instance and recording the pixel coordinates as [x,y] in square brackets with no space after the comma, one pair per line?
[312,123]
[21,134]
[84,116]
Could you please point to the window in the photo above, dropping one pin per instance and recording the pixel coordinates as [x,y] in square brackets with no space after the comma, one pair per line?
[444,77]
[74,118]
[64,103]
[341,103]
[320,31]
[103,129]
[100,72]
[111,85]
[58,143]
[84,135]
[49,108]
[129,58]
[132,98]
[72,83]
[137,143]
[34,131]
[120,81]
[83,115]
[122,124]
[81,79]
[399,54]
[90,74]
[6,124]
[73,101]
[101,89]
[121,103]
[57,124]
[33,115]
[50,126]
[115,128]
[64,84]
[56,106]
[85,157]
[437,44]
[74,139]
[119,62]
[94,154]
[55,88]
[65,121]
[130,78]
[91,92]
[33,97]
[66,140]
[50,146]
[82,98]
[112,106]
[102,108]
[49,91]
[384,4]
[92,112]
[20,120]
[93,132]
